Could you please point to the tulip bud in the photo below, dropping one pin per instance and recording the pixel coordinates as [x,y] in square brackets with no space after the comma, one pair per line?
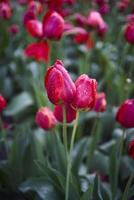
[34,27]
[70,113]
[85,93]
[59,85]
[100,105]
[125,114]
[5,10]
[80,19]
[95,20]
[53,25]
[13,29]
[131,149]
[3,103]
[129,33]
[45,118]
[28,15]
[81,38]
[39,51]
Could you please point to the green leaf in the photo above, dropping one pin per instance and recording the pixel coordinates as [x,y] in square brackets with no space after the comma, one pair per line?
[44,189]
[88,194]
[96,190]
[19,104]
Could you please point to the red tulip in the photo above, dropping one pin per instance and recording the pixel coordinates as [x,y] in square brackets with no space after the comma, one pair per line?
[80,19]
[70,113]
[104,9]
[85,93]
[35,7]
[125,114]
[34,27]
[39,51]
[14,29]
[45,118]
[28,15]
[55,4]
[100,105]
[3,103]
[59,85]
[131,149]
[53,25]
[81,38]
[129,33]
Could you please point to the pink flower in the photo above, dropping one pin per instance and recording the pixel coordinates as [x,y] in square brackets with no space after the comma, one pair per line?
[85,93]
[45,118]
[129,33]
[59,85]
[53,25]
[131,149]
[39,51]
[14,29]
[3,103]
[100,105]
[34,27]
[70,113]
[5,10]
[95,20]
[125,114]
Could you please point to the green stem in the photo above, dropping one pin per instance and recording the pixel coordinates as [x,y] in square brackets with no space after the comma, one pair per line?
[65,130]
[2,129]
[94,140]
[121,144]
[69,158]
[125,194]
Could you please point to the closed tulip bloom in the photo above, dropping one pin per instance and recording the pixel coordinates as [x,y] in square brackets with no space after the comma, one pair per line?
[131,149]
[5,10]
[38,50]
[81,38]
[70,113]
[3,103]
[53,25]
[85,93]
[45,118]
[100,105]
[129,33]
[125,114]
[95,20]
[34,28]
[59,85]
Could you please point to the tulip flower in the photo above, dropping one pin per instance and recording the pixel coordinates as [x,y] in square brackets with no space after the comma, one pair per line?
[70,113]
[131,149]
[53,25]
[39,51]
[59,85]
[28,15]
[3,103]
[45,118]
[5,10]
[13,29]
[100,105]
[125,114]
[34,28]
[85,93]
[129,33]
[95,20]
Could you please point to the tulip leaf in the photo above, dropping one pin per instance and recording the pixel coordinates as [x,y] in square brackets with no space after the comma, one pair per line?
[19,104]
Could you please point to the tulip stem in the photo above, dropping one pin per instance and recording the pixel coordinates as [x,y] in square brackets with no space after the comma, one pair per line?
[65,130]
[125,194]
[93,142]
[69,157]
